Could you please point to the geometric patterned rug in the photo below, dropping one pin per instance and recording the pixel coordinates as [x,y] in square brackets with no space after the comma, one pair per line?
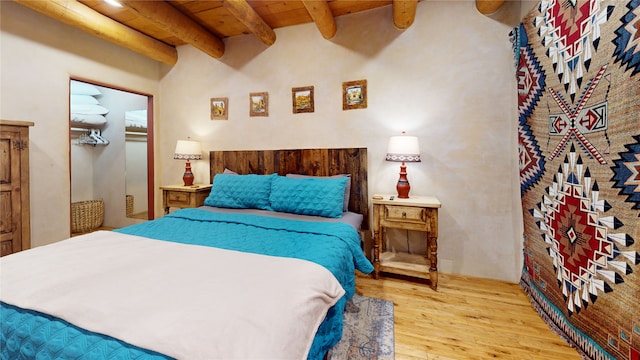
[367,332]
[578,76]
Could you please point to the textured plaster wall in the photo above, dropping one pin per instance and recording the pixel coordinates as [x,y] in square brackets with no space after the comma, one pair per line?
[449,79]
[37,58]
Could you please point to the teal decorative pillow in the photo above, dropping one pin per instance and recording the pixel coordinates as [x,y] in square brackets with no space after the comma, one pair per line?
[240,191]
[308,196]
[347,188]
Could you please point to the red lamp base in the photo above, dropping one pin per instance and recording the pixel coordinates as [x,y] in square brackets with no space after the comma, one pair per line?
[188,175]
[403,186]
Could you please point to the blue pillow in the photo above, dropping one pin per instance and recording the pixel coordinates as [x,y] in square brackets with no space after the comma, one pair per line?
[347,188]
[240,191]
[308,196]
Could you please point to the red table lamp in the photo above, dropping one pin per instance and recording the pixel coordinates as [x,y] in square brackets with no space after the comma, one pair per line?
[188,150]
[403,148]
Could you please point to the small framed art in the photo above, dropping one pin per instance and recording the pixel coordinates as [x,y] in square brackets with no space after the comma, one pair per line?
[354,95]
[302,99]
[259,104]
[219,108]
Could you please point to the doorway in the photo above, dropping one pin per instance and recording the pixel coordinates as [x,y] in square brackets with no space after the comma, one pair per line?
[111,157]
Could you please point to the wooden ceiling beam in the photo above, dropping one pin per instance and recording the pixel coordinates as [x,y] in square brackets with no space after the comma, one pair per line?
[80,16]
[242,11]
[323,17]
[404,13]
[181,26]
[487,7]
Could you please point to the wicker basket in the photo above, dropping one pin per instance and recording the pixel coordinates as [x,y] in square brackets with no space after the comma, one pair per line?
[129,210]
[87,215]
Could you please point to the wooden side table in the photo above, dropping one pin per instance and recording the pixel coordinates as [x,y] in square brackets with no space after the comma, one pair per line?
[181,196]
[418,213]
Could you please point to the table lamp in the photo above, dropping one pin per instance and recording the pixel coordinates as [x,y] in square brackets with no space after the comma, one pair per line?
[188,150]
[406,149]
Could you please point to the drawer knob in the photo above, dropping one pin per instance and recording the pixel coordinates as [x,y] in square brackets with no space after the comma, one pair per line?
[404,214]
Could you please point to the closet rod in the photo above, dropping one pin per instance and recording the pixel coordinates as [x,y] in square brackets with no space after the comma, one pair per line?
[138,133]
[83,129]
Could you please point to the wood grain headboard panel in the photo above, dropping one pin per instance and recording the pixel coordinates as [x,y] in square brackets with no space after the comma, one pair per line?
[317,162]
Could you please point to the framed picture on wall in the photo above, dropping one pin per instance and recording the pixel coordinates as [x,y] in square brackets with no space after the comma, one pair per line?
[354,95]
[302,99]
[219,108]
[259,104]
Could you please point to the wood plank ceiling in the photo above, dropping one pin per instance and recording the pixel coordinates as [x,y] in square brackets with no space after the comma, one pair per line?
[155,28]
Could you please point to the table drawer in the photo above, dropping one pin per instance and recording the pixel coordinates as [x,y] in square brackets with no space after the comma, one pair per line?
[411,214]
[178,198]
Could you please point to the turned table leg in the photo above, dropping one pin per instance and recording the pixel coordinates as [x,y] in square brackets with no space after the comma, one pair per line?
[376,253]
[433,261]
[376,240]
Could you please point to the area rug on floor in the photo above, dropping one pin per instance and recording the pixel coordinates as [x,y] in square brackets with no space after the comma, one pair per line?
[368,330]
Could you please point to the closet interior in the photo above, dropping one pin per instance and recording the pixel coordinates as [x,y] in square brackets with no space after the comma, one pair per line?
[109,157]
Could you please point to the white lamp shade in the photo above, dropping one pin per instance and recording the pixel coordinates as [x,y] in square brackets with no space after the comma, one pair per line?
[403,148]
[188,150]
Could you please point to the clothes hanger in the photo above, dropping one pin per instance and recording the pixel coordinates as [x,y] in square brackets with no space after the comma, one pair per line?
[86,139]
[98,138]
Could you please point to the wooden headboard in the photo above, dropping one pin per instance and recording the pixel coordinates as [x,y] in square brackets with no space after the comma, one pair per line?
[317,162]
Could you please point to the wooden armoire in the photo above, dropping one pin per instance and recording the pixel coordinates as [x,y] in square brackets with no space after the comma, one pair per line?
[15,225]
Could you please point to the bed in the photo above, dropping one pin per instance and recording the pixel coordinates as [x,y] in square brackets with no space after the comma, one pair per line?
[241,277]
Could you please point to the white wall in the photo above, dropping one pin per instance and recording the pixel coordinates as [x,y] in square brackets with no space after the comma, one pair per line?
[37,57]
[136,182]
[448,79]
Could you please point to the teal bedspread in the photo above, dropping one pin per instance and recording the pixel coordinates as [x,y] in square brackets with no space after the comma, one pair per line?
[335,246]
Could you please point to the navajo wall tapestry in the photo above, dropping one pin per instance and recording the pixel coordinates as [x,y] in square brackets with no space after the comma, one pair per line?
[578,70]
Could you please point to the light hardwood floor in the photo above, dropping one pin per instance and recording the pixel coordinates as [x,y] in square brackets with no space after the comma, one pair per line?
[466,318]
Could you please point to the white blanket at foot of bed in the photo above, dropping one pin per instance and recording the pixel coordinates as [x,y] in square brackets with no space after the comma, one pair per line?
[185,301]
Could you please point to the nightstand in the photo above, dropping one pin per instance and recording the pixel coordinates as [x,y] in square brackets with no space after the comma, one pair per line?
[419,213]
[181,196]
